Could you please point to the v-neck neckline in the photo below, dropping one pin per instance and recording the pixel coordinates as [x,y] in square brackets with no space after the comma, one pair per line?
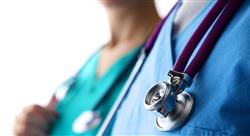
[113,65]
[108,80]
[172,41]
[170,33]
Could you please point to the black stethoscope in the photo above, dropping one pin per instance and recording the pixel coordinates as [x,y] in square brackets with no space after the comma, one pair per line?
[169,99]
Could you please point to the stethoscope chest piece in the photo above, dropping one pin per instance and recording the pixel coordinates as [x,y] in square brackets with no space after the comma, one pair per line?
[86,121]
[179,116]
[172,104]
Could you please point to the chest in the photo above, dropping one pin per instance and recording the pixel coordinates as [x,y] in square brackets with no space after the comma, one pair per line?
[214,87]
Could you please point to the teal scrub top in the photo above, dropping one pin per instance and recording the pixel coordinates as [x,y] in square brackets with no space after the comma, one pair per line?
[221,89]
[88,90]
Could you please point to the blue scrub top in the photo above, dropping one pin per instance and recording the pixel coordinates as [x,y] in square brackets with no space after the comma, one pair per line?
[221,89]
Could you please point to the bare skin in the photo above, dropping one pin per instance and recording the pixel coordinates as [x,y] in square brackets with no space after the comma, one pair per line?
[130,26]
[34,120]
[131,23]
[186,13]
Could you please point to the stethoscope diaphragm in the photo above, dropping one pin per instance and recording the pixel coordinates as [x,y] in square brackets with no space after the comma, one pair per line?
[172,105]
[86,121]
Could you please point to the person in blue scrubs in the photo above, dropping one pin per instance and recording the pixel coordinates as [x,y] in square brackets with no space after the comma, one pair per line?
[220,89]
[100,80]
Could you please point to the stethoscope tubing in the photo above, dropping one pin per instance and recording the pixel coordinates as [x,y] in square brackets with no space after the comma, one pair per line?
[223,7]
[143,55]
[123,93]
[218,18]
[193,42]
[213,36]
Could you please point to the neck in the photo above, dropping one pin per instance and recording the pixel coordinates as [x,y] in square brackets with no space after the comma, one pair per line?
[186,13]
[132,26]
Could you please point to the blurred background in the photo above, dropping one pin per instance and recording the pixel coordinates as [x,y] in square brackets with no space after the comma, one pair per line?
[42,43]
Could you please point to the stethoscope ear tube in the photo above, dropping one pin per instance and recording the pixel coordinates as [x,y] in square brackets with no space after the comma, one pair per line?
[60,93]
[174,113]
[192,43]
[213,36]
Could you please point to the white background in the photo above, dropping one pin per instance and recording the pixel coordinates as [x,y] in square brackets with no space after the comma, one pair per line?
[44,42]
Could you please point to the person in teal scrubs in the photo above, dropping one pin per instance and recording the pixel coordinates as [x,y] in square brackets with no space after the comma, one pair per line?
[104,74]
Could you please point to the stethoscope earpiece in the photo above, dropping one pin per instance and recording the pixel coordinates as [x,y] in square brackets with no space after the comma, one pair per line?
[172,104]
